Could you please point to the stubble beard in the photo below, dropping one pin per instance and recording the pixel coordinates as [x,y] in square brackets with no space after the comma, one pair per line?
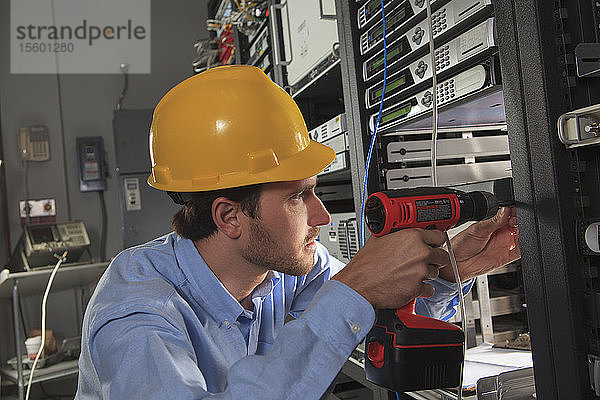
[262,250]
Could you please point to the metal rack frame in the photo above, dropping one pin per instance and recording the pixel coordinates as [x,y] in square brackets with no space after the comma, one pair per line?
[549,198]
[545,195]
[14,285]
[273,23]
[352,89]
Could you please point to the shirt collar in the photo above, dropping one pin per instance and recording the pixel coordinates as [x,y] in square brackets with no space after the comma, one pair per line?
[207,289]
[266,286]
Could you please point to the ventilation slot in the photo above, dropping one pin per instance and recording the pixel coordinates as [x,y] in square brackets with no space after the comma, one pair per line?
[434,375]
[352,238]
[405,217]
[348,238]
[343,239]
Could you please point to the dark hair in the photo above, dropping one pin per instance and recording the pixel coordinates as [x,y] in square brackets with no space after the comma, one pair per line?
[194,221]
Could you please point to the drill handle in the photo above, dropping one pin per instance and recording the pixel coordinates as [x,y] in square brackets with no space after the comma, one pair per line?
[409,307]
[409,327]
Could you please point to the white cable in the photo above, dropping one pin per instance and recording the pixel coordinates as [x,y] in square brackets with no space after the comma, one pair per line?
[461,301]
[26,188]
[37,356]
[434,115]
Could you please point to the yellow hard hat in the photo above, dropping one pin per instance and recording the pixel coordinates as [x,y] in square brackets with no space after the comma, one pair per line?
[230,126]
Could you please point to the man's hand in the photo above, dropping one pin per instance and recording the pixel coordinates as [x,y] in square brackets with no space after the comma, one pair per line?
[389,271]
[485,246]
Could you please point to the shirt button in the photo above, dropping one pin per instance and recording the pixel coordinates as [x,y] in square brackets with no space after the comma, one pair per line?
[226,323]
[355,327]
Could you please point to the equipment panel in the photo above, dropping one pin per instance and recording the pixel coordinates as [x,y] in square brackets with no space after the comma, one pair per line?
[459,86]
[371,10]
[329,129]
[42,241]
[400,19]
[452,148]
[341,236]
[259,47]
[309,36]
[448,56]
[464,157]
[340,145]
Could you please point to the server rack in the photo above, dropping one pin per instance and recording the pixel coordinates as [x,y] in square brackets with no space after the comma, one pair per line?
[557,190]
[257,49]
[263,48]
[541,84]
[310,65]
[472,149]
[273,47]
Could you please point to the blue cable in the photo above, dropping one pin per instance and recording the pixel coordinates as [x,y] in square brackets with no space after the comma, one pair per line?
[364,194]
[397,396]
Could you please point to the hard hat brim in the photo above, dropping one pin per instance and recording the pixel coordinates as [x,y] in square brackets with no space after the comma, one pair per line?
[306,163]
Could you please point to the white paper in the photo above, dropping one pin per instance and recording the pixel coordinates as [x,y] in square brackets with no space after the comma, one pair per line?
[484,360]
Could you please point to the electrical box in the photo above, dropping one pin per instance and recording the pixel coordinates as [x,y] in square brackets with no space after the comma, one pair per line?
[38,211]
[132,194]
[146,212]
[90,151]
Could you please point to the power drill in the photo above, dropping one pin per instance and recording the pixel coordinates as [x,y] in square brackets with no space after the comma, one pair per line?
[405,351]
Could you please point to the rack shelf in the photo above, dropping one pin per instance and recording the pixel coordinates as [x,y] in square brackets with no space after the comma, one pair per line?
[59,370]
[16,284]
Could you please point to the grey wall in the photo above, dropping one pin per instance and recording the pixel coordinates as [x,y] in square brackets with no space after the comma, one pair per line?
[87,106]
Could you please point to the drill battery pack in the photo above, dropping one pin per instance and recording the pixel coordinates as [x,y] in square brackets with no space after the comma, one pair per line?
[408,352]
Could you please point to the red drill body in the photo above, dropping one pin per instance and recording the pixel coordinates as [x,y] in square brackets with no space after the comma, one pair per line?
[405,351]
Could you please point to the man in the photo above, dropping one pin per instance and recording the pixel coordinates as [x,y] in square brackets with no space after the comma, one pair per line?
[199,313]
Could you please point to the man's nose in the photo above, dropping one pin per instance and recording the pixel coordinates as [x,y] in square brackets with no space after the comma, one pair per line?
[319,215]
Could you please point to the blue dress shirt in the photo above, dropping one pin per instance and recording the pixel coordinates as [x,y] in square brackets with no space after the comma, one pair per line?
[160,325]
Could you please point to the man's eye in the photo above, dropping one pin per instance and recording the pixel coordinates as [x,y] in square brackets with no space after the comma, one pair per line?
[299,196]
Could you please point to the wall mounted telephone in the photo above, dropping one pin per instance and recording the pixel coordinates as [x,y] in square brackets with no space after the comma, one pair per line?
[34,143]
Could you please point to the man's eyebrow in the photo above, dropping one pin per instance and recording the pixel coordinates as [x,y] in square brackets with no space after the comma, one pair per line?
[303,188]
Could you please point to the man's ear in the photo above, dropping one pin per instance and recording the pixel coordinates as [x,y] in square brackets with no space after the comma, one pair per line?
[225,214]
